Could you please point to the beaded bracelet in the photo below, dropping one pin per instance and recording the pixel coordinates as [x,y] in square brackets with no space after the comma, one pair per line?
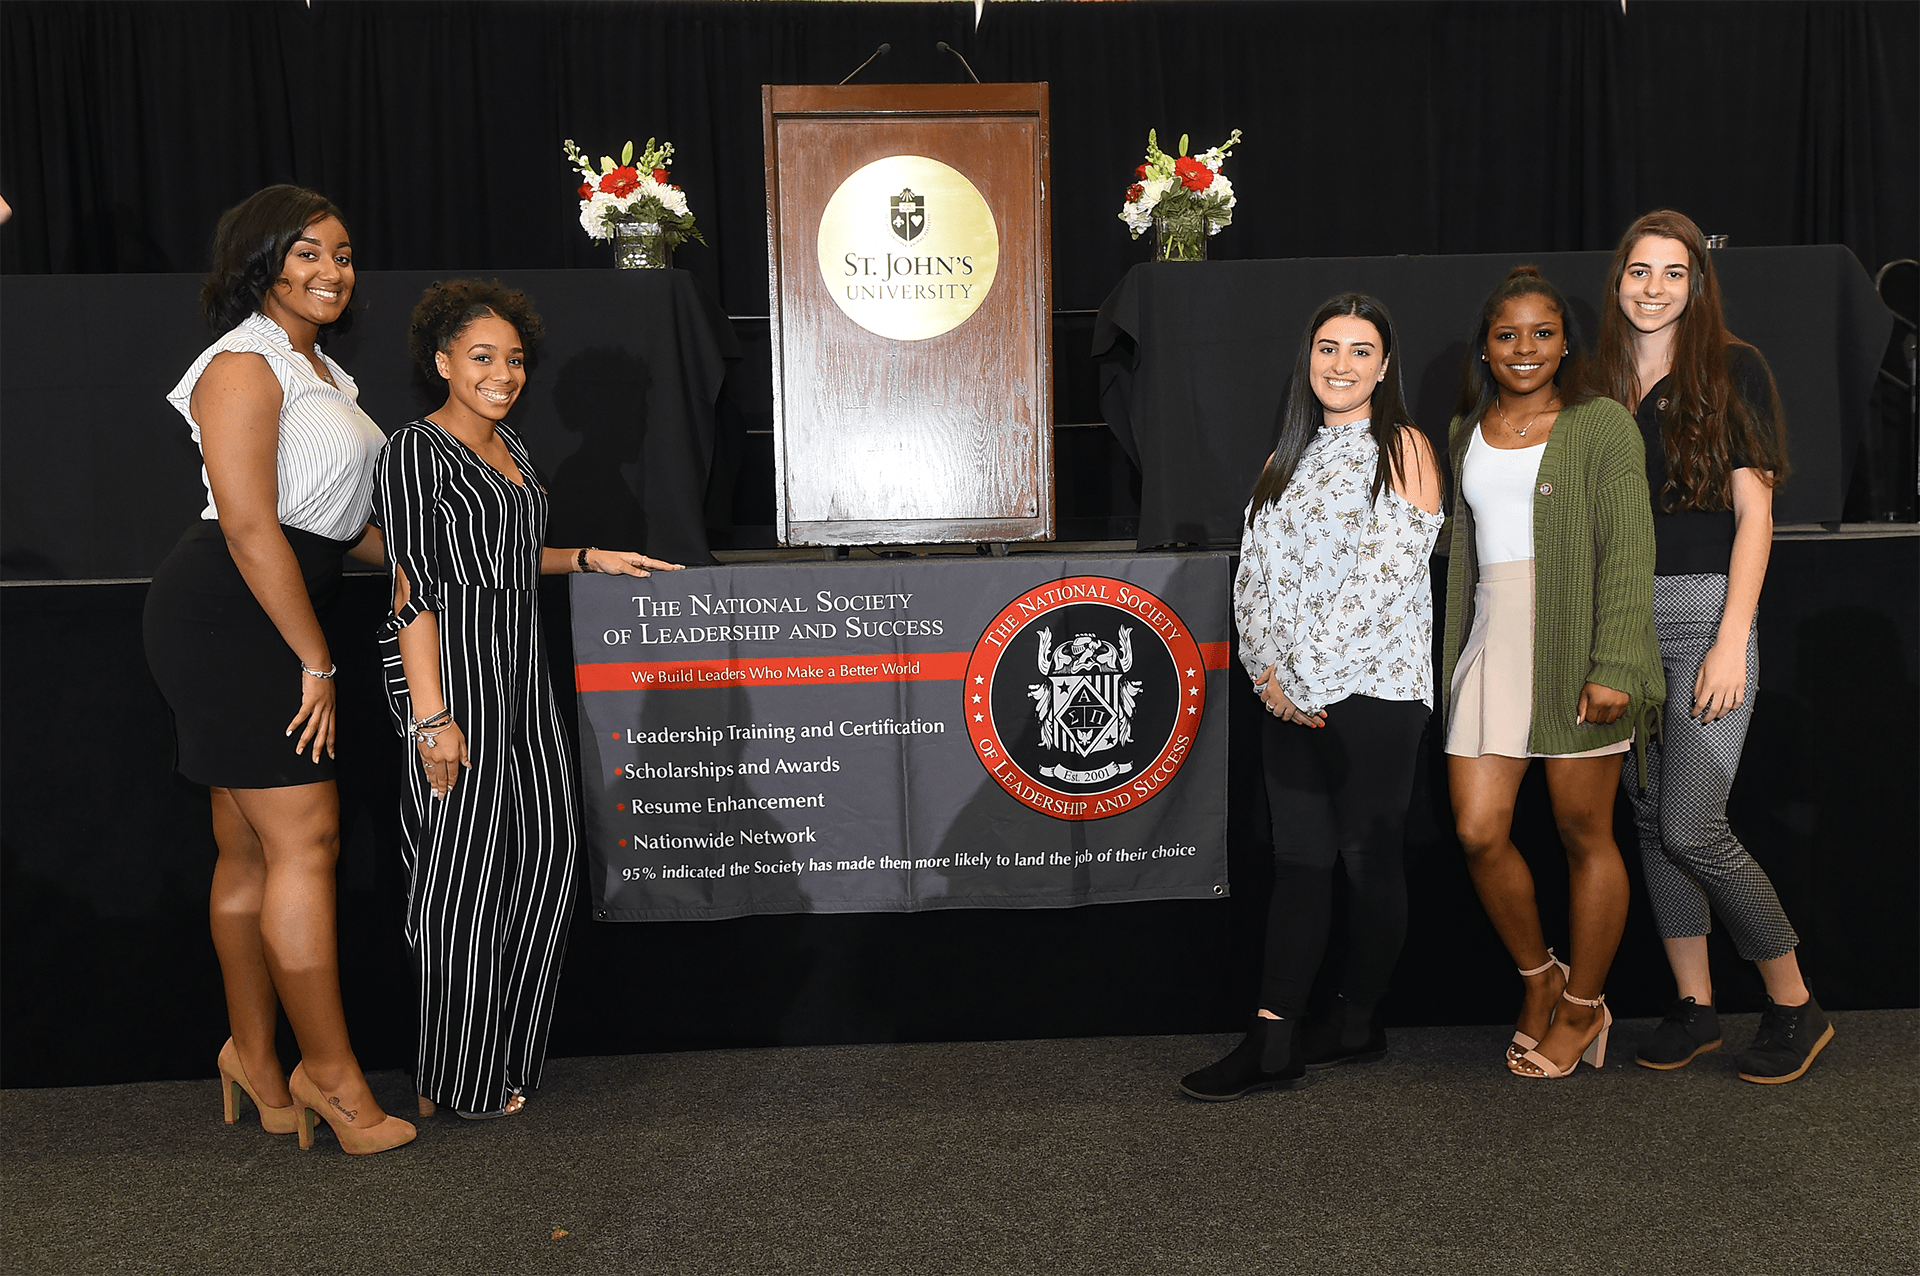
[315,673]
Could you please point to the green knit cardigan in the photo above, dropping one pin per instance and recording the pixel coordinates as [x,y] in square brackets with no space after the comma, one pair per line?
[1592,578]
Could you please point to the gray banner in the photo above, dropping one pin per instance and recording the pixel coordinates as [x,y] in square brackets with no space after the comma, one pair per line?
[1031,732]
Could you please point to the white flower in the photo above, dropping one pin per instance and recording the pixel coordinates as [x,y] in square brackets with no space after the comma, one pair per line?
[1138,214]
[672,200]
[593,212]
[1224,188]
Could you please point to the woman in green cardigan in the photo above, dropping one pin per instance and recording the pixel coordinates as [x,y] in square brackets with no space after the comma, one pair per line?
[1549,651]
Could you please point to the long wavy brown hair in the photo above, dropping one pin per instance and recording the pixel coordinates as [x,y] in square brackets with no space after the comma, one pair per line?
[1706,421]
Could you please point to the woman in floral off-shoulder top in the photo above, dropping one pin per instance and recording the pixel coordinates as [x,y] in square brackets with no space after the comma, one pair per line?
[1336,621]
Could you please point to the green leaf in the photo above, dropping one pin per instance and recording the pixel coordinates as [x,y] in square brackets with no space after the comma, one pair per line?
[1183,143]
[626,156]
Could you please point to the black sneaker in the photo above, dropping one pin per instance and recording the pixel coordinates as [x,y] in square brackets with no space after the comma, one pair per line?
[1689,1031]
[1788,1040]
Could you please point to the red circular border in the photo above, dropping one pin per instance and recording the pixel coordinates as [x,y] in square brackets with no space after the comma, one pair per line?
[984,736]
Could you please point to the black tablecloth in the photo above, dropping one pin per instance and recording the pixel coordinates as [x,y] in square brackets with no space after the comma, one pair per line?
[1194,356]
[99,476]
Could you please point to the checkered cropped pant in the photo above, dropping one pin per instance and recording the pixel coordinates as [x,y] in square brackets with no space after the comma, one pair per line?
[1693,860]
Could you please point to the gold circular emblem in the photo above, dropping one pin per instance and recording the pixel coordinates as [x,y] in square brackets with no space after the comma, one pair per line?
[908,247]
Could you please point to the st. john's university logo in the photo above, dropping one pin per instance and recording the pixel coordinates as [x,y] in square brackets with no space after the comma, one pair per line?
[909,214]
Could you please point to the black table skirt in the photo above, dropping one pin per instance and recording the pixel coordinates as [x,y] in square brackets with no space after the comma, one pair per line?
[98,475]
[1194,357]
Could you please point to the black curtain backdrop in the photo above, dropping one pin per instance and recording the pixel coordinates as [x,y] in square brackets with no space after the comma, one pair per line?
[125,128]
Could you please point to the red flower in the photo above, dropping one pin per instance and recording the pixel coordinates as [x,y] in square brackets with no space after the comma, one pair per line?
[660,175]
[586,191]
[1140,173]
[1193,175]
[621,182]
[1135,191]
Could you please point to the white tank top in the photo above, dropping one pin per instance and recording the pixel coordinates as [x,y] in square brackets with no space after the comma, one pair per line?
[1498,485]
[327,447]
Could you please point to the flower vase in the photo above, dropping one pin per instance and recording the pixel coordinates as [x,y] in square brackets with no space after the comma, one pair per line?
[1180,238]
[640,246]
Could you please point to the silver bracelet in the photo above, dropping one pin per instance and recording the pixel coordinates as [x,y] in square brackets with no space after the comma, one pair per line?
[315,673]
[427,727]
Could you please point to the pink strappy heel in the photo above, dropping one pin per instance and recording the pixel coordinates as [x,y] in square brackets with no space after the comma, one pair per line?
[1521,1041]
[1536,1066]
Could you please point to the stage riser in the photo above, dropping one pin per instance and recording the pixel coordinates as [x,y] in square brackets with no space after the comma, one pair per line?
[107,858]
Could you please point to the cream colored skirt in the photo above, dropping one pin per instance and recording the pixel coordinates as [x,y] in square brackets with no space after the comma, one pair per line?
[1493,681]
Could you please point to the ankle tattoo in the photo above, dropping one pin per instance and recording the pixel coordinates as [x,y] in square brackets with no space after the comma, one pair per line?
[344,1111]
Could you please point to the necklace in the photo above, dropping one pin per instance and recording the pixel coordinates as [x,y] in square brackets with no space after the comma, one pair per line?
[1552,404]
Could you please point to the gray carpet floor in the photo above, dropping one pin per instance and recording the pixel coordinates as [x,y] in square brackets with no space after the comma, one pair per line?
[1032,1156]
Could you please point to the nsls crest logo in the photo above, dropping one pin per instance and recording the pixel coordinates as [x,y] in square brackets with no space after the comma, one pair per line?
[1113,712]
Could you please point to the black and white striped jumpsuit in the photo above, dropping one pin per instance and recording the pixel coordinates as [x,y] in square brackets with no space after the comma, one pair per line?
[490,867]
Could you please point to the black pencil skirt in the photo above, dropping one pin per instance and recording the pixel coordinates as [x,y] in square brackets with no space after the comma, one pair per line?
[230,678]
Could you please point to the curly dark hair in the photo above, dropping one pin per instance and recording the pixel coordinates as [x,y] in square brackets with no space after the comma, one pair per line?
[447,308]
[250,247]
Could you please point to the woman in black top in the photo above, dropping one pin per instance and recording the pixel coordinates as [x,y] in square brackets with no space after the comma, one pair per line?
[491,832]
[1710,417]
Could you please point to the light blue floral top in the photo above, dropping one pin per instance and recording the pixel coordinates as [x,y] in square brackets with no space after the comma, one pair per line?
[1334,591]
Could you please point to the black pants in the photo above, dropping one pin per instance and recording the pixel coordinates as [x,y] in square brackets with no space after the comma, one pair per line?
[1339,793]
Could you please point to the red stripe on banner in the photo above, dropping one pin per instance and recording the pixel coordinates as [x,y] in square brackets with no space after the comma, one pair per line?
[804,671]
[1216,655]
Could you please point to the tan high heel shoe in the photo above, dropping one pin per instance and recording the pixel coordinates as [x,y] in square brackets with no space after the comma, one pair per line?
[233,1073]
[1536,1066]
[389,1132]
[1521,1041]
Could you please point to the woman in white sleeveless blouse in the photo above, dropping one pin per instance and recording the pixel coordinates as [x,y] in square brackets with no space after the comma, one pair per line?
[233,637]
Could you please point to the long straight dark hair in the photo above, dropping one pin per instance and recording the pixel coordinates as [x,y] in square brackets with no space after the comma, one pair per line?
[1301,415]
[1708,420]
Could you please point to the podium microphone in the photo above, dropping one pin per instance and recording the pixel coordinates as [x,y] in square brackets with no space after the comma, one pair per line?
[880,52]
[944,47]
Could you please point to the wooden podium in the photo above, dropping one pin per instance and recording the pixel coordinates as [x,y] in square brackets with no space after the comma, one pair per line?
[909,275]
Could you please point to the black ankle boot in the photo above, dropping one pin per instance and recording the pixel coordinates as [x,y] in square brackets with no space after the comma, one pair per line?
[1350,1032]
[1267,1058]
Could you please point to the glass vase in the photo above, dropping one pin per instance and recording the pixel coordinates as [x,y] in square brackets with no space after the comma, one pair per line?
[640,246]
[1180,238]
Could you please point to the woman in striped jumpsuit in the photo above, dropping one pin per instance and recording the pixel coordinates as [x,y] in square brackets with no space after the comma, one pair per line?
[490,821]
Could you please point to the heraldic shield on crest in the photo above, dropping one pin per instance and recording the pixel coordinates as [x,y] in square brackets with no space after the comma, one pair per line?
[1085,701]
[909,214]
